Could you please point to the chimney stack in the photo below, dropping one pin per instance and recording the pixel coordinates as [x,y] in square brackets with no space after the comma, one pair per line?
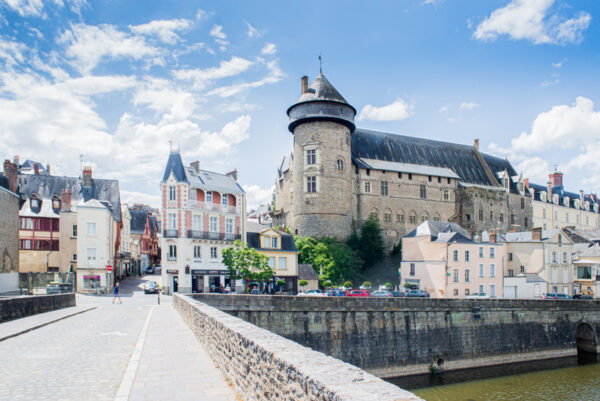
[526,181]
[233,174]
[196,166]
[65,199]
[581,195]
[476,144]
[16,160]
[10,172]
[304,84]
[36,169]
[536,233]
[87,176]
[48,169]
[549,189]
[493,237]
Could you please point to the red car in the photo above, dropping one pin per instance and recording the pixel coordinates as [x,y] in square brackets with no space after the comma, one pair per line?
[358,293]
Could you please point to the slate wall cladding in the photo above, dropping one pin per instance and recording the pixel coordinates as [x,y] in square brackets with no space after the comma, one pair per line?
[18,307]
[265,366]
[379,334]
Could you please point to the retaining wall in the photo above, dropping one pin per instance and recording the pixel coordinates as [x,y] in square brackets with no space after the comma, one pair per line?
[265,366]
[22,306]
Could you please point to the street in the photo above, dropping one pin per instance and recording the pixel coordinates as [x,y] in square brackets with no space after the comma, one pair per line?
[85,357]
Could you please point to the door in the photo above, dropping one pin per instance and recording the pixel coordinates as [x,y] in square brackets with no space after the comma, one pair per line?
[175,283]
[194,283]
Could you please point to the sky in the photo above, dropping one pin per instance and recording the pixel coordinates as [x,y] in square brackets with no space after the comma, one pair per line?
[115,83]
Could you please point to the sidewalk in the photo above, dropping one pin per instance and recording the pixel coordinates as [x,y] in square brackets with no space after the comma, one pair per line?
[174,365]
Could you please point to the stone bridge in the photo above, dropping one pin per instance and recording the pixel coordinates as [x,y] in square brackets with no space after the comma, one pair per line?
[397,336]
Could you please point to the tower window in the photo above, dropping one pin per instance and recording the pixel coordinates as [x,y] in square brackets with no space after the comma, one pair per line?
[367,187]
[384,188]
[423,191]
[172,195]
[340,164]
[400,175]
[410,176]
[311,184]
[311,156]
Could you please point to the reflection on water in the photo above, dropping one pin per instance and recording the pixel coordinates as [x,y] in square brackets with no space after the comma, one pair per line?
[579,381]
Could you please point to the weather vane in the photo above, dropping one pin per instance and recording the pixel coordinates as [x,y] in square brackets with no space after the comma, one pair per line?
[320,65]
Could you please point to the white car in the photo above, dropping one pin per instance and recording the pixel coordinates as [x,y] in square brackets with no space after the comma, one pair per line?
[312,293]
[478,295]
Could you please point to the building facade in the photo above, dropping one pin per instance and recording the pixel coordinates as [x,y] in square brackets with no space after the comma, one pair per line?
[339,175]
[202,212]
[440,258]
[9,229]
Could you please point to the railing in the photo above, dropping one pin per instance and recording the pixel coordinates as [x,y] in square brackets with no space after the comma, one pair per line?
[212,235]
[217,207]
[171,258]
[170,233]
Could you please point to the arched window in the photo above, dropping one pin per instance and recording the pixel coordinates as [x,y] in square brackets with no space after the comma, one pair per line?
[412,217]
[340,164]
[424,217]
[374,214]
[387,216]
[436,217]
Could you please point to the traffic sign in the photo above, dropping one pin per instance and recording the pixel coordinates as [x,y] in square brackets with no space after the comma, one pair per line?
[108,268]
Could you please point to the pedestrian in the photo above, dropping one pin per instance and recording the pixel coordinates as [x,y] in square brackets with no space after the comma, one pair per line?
[116,292]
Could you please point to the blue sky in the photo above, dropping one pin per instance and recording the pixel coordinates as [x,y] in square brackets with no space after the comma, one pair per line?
[115,81]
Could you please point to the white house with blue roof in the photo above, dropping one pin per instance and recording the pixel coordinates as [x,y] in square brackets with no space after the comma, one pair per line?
[202,212]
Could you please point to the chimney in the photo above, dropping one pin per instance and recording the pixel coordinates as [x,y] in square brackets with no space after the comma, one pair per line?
[16,160]
[10,172]
[47,169]
[493,237]
[36,169]
[476,144]
[536,233]
[549,189]
[304,84]
[196,166]
[526,181]
[65,199]
[581,196]
[233,174]
[556,178]
[87,176]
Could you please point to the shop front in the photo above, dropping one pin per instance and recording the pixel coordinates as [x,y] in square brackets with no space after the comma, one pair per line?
[94,280]
[172,284]
[211,281]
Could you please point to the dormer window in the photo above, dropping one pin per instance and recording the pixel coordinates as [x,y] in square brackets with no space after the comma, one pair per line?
[266,242]
[55,203]
[35,202]
[274,242]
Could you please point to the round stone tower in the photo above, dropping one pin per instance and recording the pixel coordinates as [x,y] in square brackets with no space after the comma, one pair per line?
[321,198]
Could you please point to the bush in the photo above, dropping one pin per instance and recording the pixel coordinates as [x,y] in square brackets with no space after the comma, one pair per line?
[348,284]
[367,284]
[327,283]
[281,283]
[407,285]
[388,285]
[302,283]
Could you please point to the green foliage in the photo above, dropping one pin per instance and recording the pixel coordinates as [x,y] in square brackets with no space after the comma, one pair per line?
[371,242]
[335,260]
[407,285]
[388,285]
[327,283]
[397,249]
[302,283]
[367,284]
[281,282]
[348,284]
[246,263]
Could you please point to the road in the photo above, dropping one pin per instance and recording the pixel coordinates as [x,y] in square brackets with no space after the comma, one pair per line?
[85,357]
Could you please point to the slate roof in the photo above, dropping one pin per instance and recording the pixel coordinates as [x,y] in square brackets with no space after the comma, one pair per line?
[434,228]
[29,166]
[48,186]
[287,242]
[138,221]
[497,165]
[406,168]
[306,272]
[153,225]
[562,194]
[453,237]
[461,159]
[321,89]
[526,236]
[175,165]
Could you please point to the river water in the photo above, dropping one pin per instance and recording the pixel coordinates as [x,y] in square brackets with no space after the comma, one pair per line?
[576,382]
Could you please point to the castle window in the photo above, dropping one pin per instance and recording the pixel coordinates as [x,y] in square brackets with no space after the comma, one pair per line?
[501,218]
[387,217]
[400,175]
[311,156]
[374,216]
[430,178]
[412,218]
[400,218]
[439,180]
[423,191]
[410,176]
[340,164]
[491,215]
[512,219]
[449,180]
[311,184]
[468,217]
[436,217]
[446,195]
[522,203]
[480,214]
[526,222]
[384,188]
[368,172]
[367,187]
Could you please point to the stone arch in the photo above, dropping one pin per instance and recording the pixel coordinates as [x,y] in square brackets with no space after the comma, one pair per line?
[424,217]
[412,217]
[436,217]
[387,215]
[400,216]
[586,339]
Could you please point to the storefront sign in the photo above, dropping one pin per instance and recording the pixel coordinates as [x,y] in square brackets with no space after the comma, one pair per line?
[172,271]
[91,277]
[210,272]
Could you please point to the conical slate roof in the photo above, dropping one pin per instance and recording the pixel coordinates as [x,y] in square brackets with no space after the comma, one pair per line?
[175,165]
[321,89]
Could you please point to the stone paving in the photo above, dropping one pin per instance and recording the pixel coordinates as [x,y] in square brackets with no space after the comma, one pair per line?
[85,356]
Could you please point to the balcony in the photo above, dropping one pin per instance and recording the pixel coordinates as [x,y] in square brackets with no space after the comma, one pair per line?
[216,207]
[212,235]
[170,234]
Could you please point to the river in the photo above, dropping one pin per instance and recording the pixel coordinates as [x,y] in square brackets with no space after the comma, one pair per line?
[577,382]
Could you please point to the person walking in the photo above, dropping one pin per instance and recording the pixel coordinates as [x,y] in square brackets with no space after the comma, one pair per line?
[116,292]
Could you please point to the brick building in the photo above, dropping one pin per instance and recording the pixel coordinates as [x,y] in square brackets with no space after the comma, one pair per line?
[338,175]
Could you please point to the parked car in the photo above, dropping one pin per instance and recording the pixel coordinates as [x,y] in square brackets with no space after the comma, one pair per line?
[53,288]
[381,294]
[157,269]
[255,291]
[552,295]
[582,296]
[312,293]
[478,295]
[358,293]
[417,294]
[336,292]
[150,270]
[151,287]
[397,294]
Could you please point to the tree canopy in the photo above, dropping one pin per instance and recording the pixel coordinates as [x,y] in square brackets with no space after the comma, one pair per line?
[246,263]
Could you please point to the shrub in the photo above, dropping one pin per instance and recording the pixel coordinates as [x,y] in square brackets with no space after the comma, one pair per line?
[302,283]
[367,284]
[348,284]
[388,285]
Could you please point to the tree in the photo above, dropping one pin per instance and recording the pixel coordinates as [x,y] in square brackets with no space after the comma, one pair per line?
[388,285]
[348,284]
[331,259]
[302,283]
[367,284]
[246,263]
[327,283]
[371,248]
[281,282]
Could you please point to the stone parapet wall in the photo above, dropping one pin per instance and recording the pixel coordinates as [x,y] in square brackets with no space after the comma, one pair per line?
[265,366]
[18,307]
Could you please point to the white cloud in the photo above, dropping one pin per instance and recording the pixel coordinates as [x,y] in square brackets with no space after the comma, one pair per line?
[171,103]
[528,19]
[12,52]
[275,74]
[217,32]
[399,110]
[133,197]
[252,31]
[535,168]
[201,15]
[88,45]
[164,29]
[468,105]
[95,85]
[256,196]
[562,126]
[26,8]
[559,64]
[227,68]
[269,49]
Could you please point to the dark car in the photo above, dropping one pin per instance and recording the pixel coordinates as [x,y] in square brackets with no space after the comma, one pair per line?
[397,294]
[582,296]
[552,295]
[151,288]
[358,293]
[417,294]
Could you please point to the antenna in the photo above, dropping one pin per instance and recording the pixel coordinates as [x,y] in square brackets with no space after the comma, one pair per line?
[170,146]
[320,64]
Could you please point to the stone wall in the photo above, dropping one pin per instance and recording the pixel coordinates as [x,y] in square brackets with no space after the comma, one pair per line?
[18,307]
[9,232]
[389,336]
[265,366]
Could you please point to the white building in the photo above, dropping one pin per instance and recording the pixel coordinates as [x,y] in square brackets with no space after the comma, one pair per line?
[202,212]
[524,285]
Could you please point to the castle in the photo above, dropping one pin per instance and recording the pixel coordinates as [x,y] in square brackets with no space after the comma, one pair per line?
[339,175]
